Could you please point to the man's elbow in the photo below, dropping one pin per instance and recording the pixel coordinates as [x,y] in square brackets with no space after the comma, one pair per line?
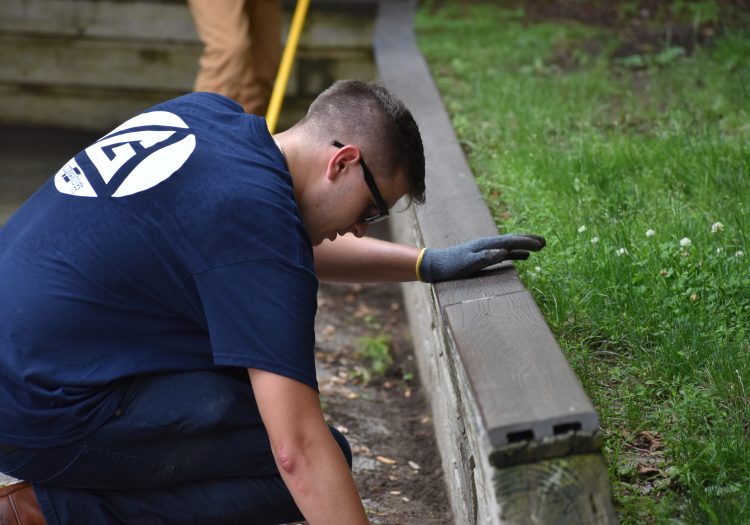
[287,459]
[295,451]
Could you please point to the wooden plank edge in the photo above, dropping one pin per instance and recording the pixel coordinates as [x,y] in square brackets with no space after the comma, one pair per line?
[560,446]
[519,376]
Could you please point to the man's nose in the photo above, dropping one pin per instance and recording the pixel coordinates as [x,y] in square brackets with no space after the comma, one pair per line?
[359,229]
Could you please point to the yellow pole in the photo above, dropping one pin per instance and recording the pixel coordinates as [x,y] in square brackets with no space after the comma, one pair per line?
[282,77]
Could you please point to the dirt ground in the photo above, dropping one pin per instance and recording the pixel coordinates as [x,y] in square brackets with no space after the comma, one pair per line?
[385,418]
[643,26]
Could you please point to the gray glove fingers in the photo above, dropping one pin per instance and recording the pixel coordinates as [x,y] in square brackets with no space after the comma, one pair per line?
[538,238]
[466,259]
[510,242]
[490,257]
[518,255]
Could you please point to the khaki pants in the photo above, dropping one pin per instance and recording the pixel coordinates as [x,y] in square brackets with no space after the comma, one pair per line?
[242,49]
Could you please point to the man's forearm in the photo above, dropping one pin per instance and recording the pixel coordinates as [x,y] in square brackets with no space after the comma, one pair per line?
[310,461]
[349,259]
[352,259]
[320,481]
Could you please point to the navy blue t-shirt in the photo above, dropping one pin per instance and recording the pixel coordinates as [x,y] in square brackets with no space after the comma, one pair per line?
[172,243]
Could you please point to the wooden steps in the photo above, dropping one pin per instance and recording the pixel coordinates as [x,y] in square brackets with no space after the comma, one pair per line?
[92,64]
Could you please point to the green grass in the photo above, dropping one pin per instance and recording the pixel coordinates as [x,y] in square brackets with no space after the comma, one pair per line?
[638,173]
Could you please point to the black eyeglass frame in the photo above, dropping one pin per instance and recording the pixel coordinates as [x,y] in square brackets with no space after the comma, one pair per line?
[370,181]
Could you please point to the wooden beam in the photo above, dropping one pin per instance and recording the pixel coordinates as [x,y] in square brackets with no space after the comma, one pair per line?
[520,378]
[564,491]
[518,436]
[134,20]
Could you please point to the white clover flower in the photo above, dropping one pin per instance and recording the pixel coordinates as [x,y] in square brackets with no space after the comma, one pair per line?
[685,242]
[739,253]
[621,251]
[594,240]
[537,269]
[717,227]
[719,249]
[650,233]
[582,228]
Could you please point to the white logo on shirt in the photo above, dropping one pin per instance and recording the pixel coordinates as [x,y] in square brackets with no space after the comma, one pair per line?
[133,157]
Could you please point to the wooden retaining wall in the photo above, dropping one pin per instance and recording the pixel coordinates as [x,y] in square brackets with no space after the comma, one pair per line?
[519,438]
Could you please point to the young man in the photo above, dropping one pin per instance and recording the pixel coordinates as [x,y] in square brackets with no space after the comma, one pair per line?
[167,263]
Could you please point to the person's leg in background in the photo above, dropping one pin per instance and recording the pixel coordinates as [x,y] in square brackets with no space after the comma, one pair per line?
[224,29]
[182,448]
[242,48]
[265,55]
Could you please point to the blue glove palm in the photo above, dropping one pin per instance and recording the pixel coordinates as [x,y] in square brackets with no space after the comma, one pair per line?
[464,260]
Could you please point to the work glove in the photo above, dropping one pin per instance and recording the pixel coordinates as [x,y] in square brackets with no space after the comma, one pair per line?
[464,260]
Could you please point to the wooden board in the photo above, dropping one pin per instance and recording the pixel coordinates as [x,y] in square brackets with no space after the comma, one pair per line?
[521,380]
[99,20]
[491,283]
[146,65]
[125,65]
[349,26]
[75,108]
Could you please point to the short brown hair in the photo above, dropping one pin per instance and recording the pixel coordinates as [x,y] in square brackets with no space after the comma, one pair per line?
[370,117]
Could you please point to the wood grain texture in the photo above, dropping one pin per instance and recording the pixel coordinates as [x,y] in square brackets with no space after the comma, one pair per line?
[114,64]
[348,26]
[520,378]
[133,65]
[75,108]
[565,491]
[99,20]
[499,281]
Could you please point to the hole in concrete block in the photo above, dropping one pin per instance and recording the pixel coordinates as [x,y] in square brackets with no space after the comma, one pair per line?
[521,435]
[565,428]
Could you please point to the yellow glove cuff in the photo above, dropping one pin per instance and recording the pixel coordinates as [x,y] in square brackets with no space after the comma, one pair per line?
[419,263]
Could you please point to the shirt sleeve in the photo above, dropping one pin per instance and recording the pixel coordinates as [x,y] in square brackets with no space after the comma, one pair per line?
[261,314]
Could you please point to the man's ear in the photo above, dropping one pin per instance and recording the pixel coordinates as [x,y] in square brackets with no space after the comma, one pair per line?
[344,158]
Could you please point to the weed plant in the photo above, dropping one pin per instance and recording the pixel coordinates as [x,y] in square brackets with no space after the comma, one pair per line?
[376,352]
[638,173]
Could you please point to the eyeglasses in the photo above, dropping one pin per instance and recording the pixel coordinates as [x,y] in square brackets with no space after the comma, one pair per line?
[370,180]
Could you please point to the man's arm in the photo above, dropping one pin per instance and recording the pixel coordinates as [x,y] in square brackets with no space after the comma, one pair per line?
[349,259]
[352,259]
[310,461]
